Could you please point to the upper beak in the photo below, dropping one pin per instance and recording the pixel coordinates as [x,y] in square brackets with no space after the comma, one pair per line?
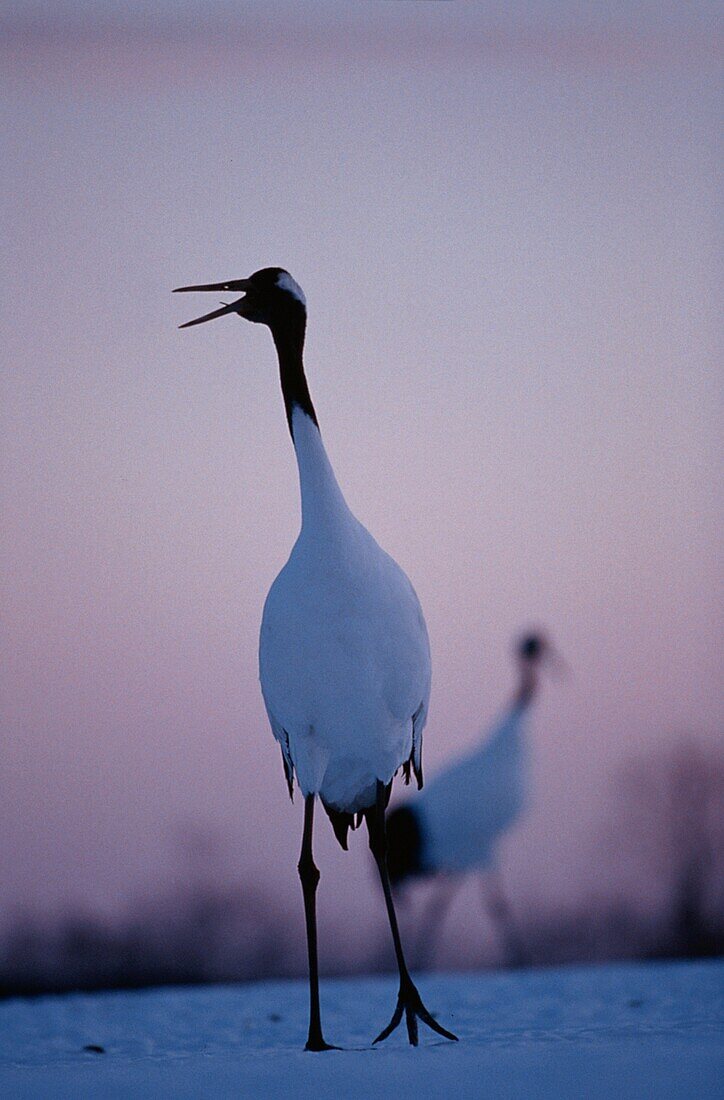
[233,307]
[556,663]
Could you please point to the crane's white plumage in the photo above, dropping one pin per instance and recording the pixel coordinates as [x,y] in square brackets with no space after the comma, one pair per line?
[457,821]
[456,824]
[286,283]
[344,659]
[344,655]
[465,809]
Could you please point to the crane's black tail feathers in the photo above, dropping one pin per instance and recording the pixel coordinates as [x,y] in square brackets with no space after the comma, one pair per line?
[342,821]
[409,768]
[288,771]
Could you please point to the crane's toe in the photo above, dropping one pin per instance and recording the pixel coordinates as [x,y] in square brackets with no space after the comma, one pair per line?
[410,1002]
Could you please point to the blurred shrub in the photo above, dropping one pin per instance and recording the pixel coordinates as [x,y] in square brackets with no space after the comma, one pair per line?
[665,830]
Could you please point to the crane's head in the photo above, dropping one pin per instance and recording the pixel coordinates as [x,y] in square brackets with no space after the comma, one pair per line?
[533,650]
[536,648]
[271,297]
[531,647]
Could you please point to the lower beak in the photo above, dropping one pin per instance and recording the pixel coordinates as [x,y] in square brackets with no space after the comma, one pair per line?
[234,307]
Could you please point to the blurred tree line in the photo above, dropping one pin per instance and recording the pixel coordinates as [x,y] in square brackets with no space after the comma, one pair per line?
[666,826]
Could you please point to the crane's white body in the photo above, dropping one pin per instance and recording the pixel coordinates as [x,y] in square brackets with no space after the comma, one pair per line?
[344,657]
[464,810]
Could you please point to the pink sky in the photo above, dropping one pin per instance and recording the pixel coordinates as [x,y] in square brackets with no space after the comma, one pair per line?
[509,259]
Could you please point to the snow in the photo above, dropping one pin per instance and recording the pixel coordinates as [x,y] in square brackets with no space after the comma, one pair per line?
[625,1031]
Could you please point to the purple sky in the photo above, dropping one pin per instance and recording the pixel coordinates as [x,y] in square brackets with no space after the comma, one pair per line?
[505,229]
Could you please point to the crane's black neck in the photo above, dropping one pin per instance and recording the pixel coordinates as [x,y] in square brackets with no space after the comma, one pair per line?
[289,342]
[527,687]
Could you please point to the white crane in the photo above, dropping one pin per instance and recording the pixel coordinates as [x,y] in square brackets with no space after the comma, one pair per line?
[344,657]
[458,821]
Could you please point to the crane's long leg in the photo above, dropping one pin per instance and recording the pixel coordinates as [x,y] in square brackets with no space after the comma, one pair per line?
[309,876]
[504,920]
[433,919]
[408,998]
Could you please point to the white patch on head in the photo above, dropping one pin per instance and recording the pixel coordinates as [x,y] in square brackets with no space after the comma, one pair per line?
[287,283]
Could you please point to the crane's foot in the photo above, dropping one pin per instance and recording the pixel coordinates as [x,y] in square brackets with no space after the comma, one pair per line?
[316,1043]
[410,1002]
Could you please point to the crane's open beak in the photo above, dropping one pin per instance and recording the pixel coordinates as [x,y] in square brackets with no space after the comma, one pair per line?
[232,307]
[556,663]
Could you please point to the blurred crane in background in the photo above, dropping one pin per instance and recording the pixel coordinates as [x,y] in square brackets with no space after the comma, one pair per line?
[458,821]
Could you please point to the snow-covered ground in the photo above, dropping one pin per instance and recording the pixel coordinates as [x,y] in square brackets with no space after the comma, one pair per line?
[624,1031]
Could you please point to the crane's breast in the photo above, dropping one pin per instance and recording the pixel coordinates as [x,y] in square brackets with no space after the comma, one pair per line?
[343,641]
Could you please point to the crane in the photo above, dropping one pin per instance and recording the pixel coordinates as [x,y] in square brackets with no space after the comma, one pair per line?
[458,821]
[344,657]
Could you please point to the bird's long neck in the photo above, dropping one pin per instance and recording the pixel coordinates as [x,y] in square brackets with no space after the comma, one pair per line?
[289,342]
[528,685]
[322,499]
